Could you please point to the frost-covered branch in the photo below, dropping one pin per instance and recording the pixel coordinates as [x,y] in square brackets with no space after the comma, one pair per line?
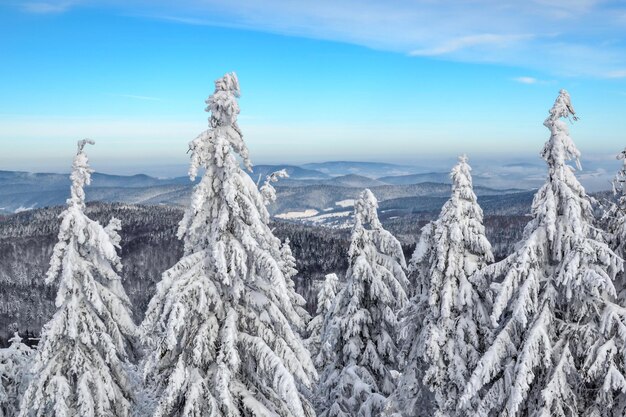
[267,189]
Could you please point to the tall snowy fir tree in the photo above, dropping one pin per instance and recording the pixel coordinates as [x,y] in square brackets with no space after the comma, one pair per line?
[325,298]
[451,310]
[615,222]
[559,346]
[79,369]
[360,332]
[222,321]
[14,363]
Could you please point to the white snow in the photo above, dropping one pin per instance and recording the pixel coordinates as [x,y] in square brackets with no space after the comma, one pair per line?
[297,214]
[323,217]
[334,220]
[21,209]
[345,203]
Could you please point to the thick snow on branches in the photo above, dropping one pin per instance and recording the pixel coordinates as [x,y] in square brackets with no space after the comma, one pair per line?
[14,365]
[360,333]
[615,221]
[79,368]
[452,312]
[222,323]
[325,298]
[559,345]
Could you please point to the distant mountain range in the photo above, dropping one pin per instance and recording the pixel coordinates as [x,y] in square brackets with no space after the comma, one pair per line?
[441,177]
[21,191]
[314,192]
[366,169]
[312,186]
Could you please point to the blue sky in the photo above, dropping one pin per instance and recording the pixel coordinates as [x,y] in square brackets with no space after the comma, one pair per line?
[397,81]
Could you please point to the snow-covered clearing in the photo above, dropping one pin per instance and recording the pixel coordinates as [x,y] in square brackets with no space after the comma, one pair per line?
[297,214]
[345,203]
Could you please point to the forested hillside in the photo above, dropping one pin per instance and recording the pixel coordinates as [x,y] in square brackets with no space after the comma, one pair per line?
[149,247]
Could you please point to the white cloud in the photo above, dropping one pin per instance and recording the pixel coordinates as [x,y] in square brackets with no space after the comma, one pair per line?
[526,80]
[48,7]
[561,37]
[616,74]
[464,42]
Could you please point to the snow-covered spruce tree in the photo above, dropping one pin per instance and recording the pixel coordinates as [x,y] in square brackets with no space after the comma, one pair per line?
[559,346]
[14,364]
[615,221]
[79,369]
[360,330]
[222,320]
[452,312]
[287,265]
[287,261]
[325,298]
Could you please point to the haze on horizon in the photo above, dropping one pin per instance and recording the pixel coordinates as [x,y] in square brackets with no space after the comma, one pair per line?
[408,82]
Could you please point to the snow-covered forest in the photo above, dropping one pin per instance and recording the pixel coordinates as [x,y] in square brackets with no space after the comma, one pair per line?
[223,310]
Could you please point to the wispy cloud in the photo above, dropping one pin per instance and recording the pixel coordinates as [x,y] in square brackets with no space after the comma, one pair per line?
[49,7]
[562,37]
[616,74]
[486,39]
[526,80]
